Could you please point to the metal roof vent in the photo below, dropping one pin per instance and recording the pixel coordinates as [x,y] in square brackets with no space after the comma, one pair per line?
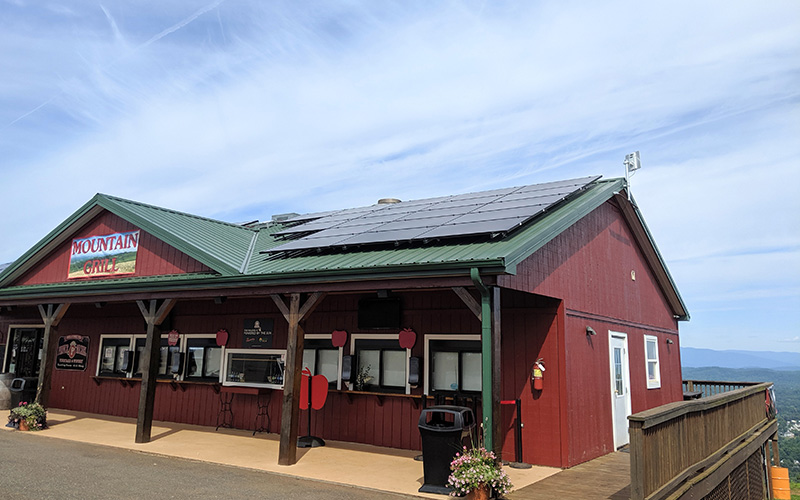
[388,201]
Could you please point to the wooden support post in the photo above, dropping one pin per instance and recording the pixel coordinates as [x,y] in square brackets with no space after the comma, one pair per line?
[51,316]
[776,455]
[290,411]
[153,316]
[636,447]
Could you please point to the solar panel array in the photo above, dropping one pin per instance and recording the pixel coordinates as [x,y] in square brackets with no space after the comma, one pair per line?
[484,213]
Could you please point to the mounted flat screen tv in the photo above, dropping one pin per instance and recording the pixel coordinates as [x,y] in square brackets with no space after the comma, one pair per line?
[379,313]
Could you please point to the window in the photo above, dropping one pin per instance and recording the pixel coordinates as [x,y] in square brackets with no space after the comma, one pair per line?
[651,357]
[322,358]
[203,359]
[166,352]
[454,363]
[381,364]
[112,355]
[254,367]
[618,382]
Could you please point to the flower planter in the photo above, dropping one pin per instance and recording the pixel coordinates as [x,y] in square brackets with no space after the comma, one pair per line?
[23,425]
[482,492]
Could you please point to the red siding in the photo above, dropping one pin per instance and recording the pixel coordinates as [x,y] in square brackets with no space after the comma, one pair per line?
[530,331]
[589,266]
[356,418]
[154,256]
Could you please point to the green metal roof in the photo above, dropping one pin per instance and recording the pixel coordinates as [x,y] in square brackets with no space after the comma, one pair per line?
[237,254]
[221,246]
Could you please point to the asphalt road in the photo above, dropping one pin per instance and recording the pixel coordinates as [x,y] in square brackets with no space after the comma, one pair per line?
[38,467]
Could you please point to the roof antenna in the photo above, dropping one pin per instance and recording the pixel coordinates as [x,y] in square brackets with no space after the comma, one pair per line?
[632,164]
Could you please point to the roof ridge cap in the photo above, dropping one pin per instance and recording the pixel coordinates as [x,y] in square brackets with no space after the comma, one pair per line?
[173,211]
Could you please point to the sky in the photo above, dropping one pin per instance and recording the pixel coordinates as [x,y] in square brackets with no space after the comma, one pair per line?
[239,109]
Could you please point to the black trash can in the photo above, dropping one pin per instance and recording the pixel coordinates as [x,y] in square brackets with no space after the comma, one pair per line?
[443,430]
[23,390]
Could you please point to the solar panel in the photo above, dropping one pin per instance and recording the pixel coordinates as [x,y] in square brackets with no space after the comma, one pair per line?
[481,213]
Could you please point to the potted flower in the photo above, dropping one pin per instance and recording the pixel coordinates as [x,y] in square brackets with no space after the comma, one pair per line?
[363,378]
[476,472]
[30,416]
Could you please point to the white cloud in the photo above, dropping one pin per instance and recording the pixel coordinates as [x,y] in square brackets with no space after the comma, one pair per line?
[241,110]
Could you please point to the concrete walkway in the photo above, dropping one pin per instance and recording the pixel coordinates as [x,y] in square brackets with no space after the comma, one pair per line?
[364,466]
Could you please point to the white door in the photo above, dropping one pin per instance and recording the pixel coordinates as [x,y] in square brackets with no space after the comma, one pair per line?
[620,387]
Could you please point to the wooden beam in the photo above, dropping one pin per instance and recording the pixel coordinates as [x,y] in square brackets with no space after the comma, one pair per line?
[51,316]
[153,315]
[290,411]
[156,317]
[163,311]
[469,300]
[281,306]
[310,304]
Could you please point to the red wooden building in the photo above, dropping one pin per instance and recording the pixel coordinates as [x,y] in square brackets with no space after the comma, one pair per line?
[145,312]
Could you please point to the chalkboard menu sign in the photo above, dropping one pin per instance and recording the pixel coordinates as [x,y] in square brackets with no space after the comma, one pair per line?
[258,333]
[73,351]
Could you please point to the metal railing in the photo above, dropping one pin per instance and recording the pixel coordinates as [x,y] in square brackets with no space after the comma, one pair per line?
[676,447]
[707,388]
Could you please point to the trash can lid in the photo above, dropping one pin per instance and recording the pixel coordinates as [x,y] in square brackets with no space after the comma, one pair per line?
[23,383]
[446,417]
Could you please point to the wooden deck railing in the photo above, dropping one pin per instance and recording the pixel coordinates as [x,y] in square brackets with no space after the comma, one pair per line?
[708,388]
[675,446]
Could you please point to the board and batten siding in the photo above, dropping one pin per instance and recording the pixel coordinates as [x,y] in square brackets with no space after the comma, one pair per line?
[154,257]
[592,266]
[390,421]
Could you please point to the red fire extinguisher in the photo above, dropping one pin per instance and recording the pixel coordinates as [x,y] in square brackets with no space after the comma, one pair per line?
[537,373]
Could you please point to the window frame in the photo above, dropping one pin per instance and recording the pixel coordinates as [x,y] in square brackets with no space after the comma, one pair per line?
[652,383]
[326,336]
[185,349]
[134,374]
[255,352]
[354,338]
[428,357]
[103,337]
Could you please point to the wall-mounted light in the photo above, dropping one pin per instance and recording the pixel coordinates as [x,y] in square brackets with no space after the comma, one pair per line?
[670,341]
[590,331]
[220,300]
[383,294]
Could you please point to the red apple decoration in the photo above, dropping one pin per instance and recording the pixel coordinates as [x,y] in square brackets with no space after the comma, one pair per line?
[319,391]
[339,338]
[407,338]
[222,337]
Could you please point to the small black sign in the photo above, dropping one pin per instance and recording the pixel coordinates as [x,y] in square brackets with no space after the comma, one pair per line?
[258,332]
[73,351]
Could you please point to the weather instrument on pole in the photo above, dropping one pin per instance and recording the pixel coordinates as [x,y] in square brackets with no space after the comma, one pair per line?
[632,164]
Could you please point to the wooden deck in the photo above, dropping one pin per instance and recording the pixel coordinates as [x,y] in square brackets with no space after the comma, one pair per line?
[603,478]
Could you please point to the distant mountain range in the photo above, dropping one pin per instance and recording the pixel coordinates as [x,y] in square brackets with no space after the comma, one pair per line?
[694,358]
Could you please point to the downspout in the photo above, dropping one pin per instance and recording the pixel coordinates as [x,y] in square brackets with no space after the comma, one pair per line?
[486,357]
